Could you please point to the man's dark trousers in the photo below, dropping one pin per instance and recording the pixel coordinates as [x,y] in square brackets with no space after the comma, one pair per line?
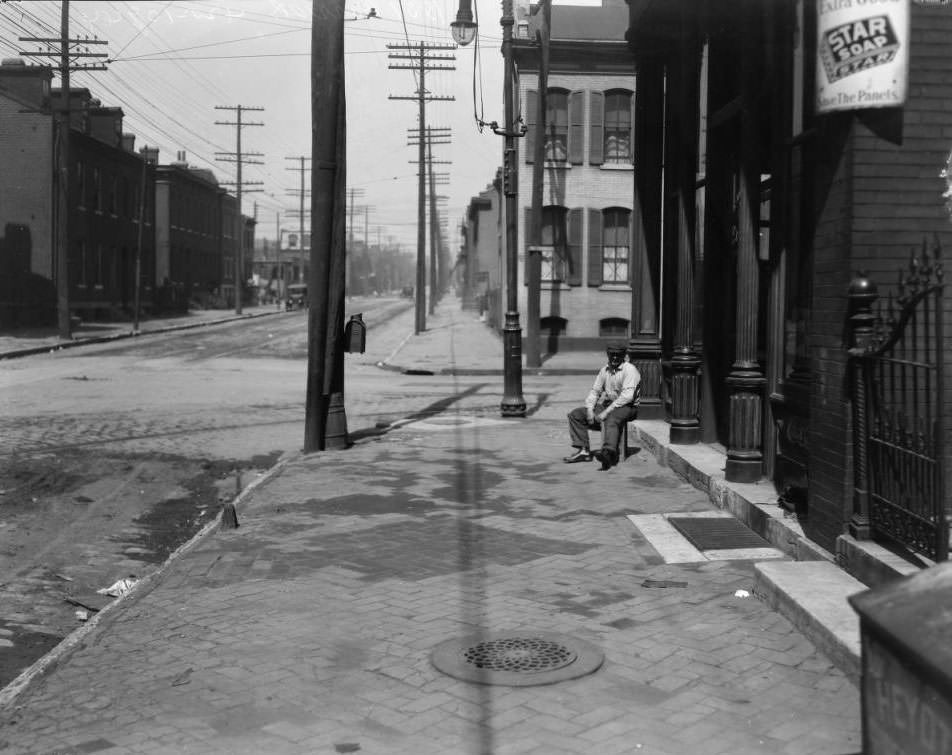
[579,426]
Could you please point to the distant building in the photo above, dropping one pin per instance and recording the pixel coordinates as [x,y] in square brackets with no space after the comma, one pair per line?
[184,251]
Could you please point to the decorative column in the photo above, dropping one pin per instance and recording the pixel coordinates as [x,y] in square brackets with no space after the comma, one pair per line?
[644,348]
[746,380]
[682,115]
[862,295]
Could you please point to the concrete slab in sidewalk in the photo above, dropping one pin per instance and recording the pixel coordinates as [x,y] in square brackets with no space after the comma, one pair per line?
[813,596]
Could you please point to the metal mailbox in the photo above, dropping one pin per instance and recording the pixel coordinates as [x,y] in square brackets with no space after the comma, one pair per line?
[355,335]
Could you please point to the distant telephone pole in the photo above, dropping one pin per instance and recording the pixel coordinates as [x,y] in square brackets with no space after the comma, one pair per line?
[62,47]
[239,158]
[302,193]
[423,62]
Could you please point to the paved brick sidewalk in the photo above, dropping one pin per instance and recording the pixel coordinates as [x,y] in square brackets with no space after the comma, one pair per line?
[309,628]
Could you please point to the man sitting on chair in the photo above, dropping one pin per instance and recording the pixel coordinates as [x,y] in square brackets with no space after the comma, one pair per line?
[610,405]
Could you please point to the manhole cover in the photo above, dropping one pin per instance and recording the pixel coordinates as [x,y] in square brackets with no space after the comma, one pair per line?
[717,532]
[516,660]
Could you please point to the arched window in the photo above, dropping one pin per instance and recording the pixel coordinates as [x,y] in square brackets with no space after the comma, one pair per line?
[617,126]
[557,125]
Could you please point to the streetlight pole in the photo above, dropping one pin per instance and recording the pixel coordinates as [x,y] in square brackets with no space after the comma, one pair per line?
[513,404]
[464,30]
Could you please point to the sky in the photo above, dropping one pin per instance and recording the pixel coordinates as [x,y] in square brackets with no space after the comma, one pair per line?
[171,63]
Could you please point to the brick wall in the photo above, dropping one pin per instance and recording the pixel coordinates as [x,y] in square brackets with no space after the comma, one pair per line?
[26,162]
[879,193]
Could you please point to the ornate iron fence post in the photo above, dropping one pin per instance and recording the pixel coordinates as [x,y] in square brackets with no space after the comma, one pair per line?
[862,295]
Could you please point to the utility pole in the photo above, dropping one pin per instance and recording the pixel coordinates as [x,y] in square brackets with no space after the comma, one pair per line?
[65,53]
[434,135]
[352,193]
[239,158]
[533,254]
[420,53]
[279,273]
[325,369]
[301,193]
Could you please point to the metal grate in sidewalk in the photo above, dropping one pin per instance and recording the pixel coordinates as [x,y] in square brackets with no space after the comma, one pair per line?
[717,533]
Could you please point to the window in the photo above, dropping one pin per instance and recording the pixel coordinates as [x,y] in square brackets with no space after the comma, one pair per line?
[615,250]
[98,262]
[557,125]
[564,126]
[554,255]
[80,185]
[97,189]
[81,266]
[617,127]
[613,327]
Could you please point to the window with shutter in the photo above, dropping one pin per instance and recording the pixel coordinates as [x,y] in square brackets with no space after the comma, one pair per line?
[576,104]
[618,132]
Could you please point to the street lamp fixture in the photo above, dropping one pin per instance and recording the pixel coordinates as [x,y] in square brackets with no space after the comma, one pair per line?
[513,403]
[463,28]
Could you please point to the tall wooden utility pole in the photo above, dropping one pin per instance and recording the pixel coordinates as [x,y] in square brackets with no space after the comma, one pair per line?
[239,158]
[325,355]
[61,49]
[301,193]
[534,257]
[433,135]
[420,53]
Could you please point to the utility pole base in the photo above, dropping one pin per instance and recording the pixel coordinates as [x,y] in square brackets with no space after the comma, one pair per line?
[336,434]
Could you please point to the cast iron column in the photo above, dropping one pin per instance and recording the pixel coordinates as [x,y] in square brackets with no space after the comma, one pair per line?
[746,379]
[513,404]
[644,348]
[685,361]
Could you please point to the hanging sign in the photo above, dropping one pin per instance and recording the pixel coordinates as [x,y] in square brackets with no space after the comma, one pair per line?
[862,54]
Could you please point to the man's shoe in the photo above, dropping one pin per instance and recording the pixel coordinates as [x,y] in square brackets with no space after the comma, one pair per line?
[607,457]
[581,454]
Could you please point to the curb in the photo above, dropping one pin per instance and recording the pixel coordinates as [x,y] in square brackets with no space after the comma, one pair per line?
[75,639]
[33,350]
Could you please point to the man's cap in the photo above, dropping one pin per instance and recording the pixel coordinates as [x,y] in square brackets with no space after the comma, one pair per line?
[616,349]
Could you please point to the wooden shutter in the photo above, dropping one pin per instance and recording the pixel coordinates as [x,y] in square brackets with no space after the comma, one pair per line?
[574,247]
[594,247]
[532,104]
[596,119]
[576,128]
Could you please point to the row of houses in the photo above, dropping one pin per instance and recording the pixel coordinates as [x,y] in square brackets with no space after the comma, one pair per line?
[173,223]
[731,190]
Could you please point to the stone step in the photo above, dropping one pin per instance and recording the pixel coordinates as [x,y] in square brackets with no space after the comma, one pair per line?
[813,596]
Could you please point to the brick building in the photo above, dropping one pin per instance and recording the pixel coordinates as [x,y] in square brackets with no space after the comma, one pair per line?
[26,194]
[586,265]
[482,235]
[184,252]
